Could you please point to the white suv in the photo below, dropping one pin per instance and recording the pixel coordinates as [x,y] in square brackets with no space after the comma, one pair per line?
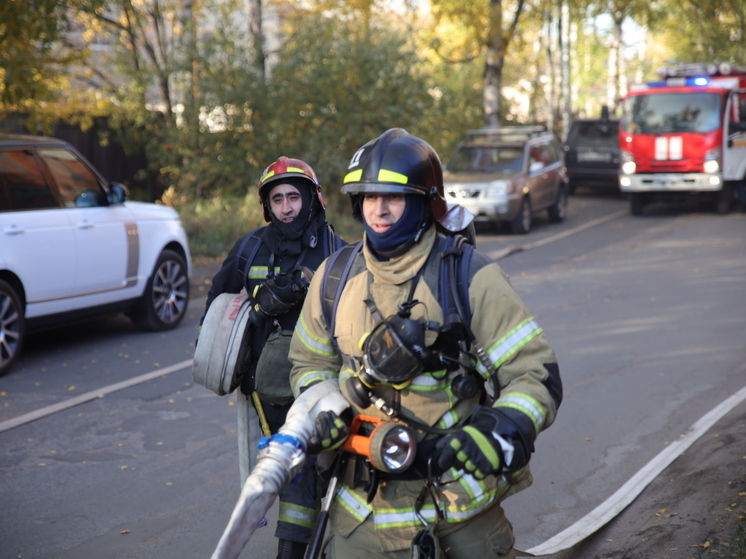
[72,247]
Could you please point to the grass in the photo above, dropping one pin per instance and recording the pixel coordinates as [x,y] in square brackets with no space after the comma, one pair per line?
[738,541]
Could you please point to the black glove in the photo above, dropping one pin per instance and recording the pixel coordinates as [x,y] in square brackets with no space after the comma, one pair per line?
[330,431]
[474,447]
[278,295]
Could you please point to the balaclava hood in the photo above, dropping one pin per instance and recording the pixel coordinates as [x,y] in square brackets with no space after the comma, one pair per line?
[290,238]
[405,232]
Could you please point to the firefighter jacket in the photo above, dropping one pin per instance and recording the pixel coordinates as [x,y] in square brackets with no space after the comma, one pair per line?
[521,358]
[237,273]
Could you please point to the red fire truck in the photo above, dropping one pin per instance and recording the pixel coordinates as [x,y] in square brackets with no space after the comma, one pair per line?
[685,134]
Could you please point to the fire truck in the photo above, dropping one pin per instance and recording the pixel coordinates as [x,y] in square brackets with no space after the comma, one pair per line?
[684,135]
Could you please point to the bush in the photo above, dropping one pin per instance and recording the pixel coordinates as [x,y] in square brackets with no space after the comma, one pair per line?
[214,225]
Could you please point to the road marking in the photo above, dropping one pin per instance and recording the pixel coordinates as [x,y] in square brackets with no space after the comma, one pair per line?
[628,492]
[88,396]
[498,254]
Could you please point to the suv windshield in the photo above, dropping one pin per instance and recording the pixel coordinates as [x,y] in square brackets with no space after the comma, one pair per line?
[660,113]
[485,159]
[593,134]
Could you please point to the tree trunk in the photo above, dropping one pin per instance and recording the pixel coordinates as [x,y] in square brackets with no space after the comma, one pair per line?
[615,55]
[257,38]
[565,68]
[191,21]
[493,66]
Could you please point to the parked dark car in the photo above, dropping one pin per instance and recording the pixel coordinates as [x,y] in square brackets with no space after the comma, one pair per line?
[592,154]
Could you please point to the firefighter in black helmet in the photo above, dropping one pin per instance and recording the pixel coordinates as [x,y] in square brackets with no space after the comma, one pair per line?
[473,446]
[274,264]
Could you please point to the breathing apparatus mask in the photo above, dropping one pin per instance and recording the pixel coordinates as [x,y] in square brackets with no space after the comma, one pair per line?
[395,352]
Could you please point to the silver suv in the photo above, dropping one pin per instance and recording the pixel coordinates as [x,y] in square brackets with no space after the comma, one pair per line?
[507,174]
[72,246]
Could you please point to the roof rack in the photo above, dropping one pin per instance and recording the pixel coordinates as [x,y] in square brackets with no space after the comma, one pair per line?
[506,133]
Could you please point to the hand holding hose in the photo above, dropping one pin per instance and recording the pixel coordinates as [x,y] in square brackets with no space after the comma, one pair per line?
[330,431]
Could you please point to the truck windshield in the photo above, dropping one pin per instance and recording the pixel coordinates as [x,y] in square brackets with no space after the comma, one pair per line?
[660,113]
[485,159]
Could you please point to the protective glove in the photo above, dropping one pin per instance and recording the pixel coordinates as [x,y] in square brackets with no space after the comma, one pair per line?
[475,447]
[277,296]
[330,431]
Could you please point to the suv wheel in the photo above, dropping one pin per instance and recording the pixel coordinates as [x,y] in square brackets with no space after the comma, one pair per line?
[11,326]
[164,303]
[558,210]
[521,223]
[723,199]
[636,203]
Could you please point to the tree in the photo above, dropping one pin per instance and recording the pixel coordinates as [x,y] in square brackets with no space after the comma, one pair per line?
[492,31]
[705,31]
[32,40]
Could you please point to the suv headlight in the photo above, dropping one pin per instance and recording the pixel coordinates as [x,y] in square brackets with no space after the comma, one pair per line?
[496,189]
[712,161]
[628,163]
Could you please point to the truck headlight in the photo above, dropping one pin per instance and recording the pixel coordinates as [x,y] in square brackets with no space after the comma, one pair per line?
[712,161]
[628,163]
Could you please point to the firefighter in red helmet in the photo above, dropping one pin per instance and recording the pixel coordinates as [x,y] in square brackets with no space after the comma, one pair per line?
[274,265]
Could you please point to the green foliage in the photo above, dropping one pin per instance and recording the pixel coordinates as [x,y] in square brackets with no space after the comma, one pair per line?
[213,225]
[705,31]
[34,59]
[737,548]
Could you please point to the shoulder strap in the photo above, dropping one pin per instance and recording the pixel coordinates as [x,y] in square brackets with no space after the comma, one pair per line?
[254,242]
[460,249]
[331,241]
[334,280]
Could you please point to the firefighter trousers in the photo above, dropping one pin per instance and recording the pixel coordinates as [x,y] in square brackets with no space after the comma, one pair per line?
[488,535]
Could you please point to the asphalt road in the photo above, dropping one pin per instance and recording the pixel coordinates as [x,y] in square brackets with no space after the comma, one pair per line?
[646,314]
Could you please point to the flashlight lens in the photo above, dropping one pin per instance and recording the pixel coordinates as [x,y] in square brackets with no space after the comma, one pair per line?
[395,448]
[392,447]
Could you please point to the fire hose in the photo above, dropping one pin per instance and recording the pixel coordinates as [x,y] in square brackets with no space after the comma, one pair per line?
[278,462]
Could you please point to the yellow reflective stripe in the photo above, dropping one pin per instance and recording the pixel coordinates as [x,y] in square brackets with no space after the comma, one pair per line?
[268,175]
[344,374]
[354,176]
[392,176]
[395,518]
[513,341]
[449,419]
[353,504]
[525,404]
[313,343]
[298,515]
[296,170]
[309,377]
[260,272]
[475,488]
[430,381]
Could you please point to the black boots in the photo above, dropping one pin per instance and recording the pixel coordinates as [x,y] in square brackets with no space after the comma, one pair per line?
[290,550]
